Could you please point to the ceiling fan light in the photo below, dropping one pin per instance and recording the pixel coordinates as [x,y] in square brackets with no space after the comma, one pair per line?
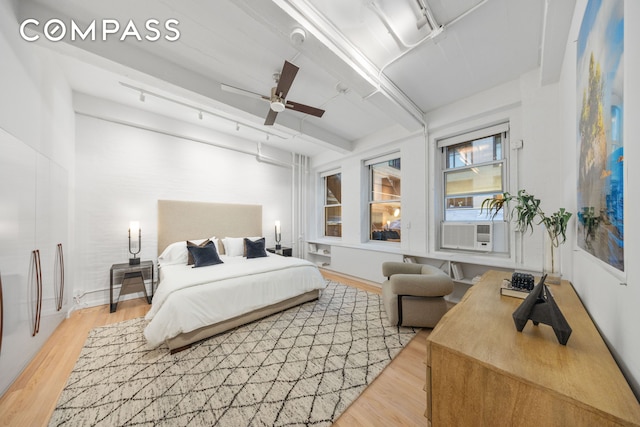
[277,106]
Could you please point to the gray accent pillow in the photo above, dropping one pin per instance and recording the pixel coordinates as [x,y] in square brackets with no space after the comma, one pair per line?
[255,249]
[204,255]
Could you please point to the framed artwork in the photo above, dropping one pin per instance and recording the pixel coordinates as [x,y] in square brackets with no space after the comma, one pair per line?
[600,110]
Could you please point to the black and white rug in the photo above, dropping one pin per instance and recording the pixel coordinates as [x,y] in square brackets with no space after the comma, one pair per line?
[303,366]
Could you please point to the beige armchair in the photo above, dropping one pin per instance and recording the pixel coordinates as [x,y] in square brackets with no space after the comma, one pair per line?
[413,294]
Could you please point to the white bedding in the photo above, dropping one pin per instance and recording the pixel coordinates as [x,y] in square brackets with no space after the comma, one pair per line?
[189,298]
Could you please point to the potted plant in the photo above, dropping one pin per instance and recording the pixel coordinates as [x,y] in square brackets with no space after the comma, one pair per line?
[524,213]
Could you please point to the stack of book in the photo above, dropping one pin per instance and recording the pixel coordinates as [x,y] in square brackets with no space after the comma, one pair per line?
[510,291]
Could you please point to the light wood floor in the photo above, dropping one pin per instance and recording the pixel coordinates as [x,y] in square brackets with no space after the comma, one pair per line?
[396,397]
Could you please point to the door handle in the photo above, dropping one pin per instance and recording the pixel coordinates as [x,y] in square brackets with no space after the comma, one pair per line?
[59,277]
[38,277]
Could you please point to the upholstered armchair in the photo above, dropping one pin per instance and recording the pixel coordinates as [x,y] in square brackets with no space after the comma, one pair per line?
[413,294]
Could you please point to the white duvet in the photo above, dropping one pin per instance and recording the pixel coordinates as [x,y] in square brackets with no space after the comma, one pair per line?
[189,298]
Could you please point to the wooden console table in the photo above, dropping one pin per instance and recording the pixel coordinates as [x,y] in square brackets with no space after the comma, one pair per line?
[482,372]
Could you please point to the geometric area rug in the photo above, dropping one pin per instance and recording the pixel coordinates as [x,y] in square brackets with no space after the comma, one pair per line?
[303,366]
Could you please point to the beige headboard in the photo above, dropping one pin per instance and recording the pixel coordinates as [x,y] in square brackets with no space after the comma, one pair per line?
[178,220]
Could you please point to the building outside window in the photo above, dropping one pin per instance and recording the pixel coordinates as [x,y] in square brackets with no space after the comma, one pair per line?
[333,205]
[385,198]
[474,170]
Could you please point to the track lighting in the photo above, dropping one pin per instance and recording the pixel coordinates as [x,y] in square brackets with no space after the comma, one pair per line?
[201,112]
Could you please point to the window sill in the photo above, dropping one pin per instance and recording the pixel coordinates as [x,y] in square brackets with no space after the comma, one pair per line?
[388,247]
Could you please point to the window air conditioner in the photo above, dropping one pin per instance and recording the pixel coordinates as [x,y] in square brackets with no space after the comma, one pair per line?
[468,236]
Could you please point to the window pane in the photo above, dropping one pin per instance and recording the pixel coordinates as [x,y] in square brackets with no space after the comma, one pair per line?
[333,189]
[385,180]
[474,172]
[482,150]
[333,221]
[385,221]
[468,208]
[476,180]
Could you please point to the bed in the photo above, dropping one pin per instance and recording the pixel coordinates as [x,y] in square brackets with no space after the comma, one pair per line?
[192,304]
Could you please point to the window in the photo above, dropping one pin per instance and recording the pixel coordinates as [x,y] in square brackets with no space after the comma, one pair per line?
[333,205]
[384,199]
[474,170]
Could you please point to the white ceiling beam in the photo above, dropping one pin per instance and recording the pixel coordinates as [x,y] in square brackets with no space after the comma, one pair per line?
[554,38]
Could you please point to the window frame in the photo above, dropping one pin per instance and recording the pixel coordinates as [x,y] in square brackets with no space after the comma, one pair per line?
[325,206]
[369,164]
[468,137]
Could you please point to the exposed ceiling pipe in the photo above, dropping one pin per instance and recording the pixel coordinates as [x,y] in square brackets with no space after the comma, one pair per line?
[427,16]
[433,34]
[423,10]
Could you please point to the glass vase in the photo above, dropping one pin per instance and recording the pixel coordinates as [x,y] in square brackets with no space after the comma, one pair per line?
[552,265]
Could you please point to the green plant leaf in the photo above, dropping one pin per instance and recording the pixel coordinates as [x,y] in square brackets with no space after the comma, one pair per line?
[527,211]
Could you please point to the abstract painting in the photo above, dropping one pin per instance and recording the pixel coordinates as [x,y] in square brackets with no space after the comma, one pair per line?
[600,110]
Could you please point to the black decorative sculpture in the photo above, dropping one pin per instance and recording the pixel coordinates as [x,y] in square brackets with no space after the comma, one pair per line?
[540,307]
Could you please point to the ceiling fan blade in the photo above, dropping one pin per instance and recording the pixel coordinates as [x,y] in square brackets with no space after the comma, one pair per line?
[243,92]
[295,106]
[287,75]
[271,118]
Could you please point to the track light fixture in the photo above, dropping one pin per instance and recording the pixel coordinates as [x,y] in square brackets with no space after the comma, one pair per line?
[201,112]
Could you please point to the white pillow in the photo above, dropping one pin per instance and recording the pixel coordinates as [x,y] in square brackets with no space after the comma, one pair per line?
[176,253]
[234,246]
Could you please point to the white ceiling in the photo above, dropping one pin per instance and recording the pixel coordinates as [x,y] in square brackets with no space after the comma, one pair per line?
[392,71]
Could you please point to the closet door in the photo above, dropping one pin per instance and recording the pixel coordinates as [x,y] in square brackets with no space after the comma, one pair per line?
[51,241]
[59,234]
[44,241]
[17,241]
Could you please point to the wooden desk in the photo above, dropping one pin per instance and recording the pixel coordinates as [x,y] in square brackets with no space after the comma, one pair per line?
[482,371]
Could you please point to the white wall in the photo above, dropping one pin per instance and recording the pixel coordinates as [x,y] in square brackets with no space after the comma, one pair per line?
[613,306]
[122,171]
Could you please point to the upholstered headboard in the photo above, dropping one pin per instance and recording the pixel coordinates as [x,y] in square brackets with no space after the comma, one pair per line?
[178,220]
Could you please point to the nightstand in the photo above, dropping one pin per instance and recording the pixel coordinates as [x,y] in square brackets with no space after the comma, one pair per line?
[282,251]
[132,279]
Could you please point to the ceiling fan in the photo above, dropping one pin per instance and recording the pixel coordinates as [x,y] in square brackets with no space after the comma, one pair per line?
[278,98]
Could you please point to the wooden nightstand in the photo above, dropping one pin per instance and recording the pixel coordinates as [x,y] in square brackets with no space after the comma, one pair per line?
[132,278]
[282,251]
